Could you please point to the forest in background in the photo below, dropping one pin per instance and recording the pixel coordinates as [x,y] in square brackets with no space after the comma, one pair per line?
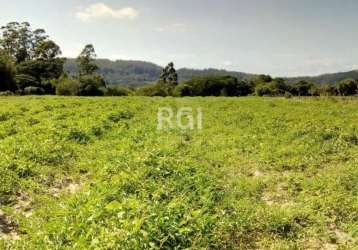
[139,73]
[31,64]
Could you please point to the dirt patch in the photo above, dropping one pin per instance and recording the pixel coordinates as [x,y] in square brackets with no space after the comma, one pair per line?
[7,228]
[24,205]
[257,173]
[67,186]
[278,196]
[341,236]
[338,239]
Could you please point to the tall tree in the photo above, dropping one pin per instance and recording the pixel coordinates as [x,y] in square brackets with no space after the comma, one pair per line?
[47,50]
[86,61]
[35,55]
[90,83]
[169,75]
[7,72]
[348,87]
[20,41]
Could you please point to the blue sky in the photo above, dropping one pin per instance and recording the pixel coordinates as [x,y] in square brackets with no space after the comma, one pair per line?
[277,37]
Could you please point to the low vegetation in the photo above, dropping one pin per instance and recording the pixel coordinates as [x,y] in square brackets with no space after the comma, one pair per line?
[94,173]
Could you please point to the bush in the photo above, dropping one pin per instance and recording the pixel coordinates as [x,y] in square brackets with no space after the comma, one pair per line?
[302,88]
[263,90]
[91,85]
[6,93]
[278,87]
[348,87]
[67,86]
[79,136]
[122,115]
[33,91]
[158,89]
[42,70]
[117,91]
[49,86]
[329,90]
[288,95]
[213,86]
[24,81]
[183,90]
[244,88]
[324,90]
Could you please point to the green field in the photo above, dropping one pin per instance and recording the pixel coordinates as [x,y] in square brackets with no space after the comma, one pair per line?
[95,173]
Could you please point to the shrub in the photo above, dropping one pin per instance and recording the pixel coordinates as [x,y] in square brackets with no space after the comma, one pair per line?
[213,86]
[4,116]
[158,89]
[8,184]
[67,86]
[49,87]
[24,81]
[91,85]
[6,93]
[42,70]
[123,115]
[324,90]
[117,91]
[329,90]
[244,88]
[183,90]
[33,91]
[79,136]
[302,88]
[348,87]
[288,95]
[263,90]
[278,87]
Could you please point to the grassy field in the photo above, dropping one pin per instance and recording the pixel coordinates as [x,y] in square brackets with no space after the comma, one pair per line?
[94,173]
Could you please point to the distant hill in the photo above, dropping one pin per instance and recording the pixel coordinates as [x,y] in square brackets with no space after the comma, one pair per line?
[333,78]
[139,73]
[136,73]
[187,74]
[123,72]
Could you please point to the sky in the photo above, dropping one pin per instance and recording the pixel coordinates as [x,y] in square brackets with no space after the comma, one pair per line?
[277,37]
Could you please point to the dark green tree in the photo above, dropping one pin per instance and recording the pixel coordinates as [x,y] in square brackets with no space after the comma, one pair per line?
[302,88]
[169,75]
[47,50]
[279,87]
[183,90]
[67,86]
[91,85]
[263,90]
[348,87]
[86,61]
[35,55]
[20,41]
[7,73]
[42,70]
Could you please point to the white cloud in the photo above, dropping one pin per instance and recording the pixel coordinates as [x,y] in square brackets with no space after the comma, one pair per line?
[101,10]
[174,27]
[228,63]
[353,67]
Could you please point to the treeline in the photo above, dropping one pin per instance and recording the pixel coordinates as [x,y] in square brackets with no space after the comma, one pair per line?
[31,64]
[262,85]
